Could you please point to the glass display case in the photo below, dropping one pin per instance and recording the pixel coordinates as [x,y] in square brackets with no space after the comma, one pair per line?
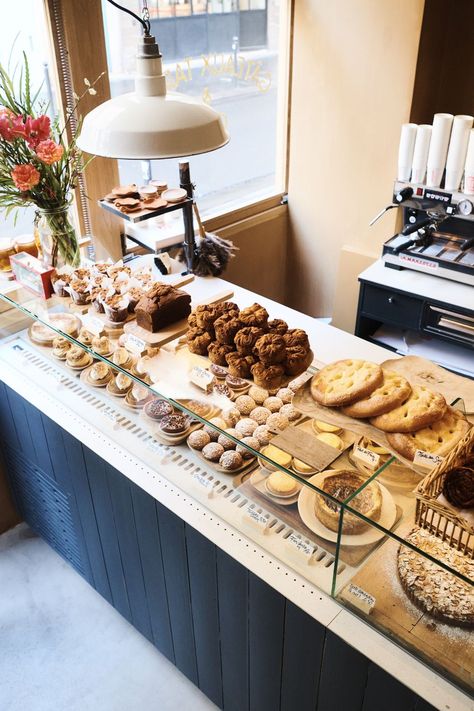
[325,499]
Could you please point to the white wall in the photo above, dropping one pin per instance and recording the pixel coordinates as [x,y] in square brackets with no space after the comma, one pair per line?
[353,73]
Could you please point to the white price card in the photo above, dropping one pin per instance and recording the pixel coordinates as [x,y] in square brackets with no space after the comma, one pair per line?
[202,378]
[155,447]
[301,549]
[255,519]
[92,324]
[204,482]
[360,598]
[426,460]
[367,457]
[135,345]
[110,414]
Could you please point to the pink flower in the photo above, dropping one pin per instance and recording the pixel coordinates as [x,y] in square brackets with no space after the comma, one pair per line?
[19,127]
[25,176]
[6,119]
[38,129]
[49,152]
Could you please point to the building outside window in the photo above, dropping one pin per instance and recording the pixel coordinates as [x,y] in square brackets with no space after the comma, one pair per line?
[226,53]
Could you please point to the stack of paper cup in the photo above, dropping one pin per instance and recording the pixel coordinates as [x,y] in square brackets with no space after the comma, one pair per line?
[420,154]
[405,150]
[469,167]
[438,149]
[457,151]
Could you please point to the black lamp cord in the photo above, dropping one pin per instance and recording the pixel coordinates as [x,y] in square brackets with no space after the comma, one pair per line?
[144,21]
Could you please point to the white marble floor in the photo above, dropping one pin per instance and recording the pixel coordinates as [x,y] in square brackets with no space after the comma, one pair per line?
[64,648]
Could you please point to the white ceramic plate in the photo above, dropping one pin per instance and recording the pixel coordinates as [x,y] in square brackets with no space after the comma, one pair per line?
[306,501]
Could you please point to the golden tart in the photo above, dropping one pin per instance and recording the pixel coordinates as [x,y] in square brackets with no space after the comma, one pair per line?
[281,484]
[341,484]
[78,358]
[61,347]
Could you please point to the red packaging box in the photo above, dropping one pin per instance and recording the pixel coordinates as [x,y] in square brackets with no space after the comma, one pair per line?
[32,274]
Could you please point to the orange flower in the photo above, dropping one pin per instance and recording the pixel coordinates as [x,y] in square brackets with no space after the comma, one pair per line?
[49,152]
[25,176]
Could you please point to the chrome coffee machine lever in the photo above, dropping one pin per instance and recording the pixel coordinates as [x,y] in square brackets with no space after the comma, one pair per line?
[399,198]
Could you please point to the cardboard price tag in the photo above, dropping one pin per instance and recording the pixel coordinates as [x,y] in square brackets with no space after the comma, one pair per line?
[254,518]
[360,598]
[135,344]
[367,457]
[93,324]
[426,460]
[303,550]
[202,378]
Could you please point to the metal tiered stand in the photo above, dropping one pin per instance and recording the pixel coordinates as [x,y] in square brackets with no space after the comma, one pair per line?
[189,244]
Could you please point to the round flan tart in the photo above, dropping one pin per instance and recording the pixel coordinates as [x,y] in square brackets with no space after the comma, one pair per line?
[430,587]
[330,439]
[320,426]
[341,485]
[281,484]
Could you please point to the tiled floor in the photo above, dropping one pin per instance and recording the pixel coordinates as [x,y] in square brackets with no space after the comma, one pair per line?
[64,648]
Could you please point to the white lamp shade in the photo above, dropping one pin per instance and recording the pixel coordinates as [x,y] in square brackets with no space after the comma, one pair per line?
[147,127]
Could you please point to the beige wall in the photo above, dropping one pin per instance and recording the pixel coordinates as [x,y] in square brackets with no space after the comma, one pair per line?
[353,73]
[260,263]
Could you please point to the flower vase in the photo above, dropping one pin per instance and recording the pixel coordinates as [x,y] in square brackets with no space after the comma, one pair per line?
[56,237]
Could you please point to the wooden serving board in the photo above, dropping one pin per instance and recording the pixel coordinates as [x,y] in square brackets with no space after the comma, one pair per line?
[304,445]
[175,330]
[304,402]
[423,372]
[450,645]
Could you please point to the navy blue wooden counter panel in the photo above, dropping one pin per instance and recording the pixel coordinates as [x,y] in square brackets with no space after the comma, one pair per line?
[245,645]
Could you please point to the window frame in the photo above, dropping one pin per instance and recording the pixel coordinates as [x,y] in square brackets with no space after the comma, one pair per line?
[81,25]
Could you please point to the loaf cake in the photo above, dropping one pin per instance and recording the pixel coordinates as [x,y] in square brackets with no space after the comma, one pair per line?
[161,306]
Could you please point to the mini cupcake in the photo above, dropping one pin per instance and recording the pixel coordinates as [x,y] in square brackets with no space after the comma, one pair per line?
[59,283]
[116,307]
[239,365]
[80,292]
[134,295]
[101,345]
[217,353]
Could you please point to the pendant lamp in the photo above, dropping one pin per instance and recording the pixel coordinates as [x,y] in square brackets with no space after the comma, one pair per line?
[151,123]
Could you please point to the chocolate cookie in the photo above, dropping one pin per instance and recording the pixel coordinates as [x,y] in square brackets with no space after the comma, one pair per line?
[174,424]
[157,409]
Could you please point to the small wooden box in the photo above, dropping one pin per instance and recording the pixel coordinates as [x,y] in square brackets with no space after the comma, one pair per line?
[433,515]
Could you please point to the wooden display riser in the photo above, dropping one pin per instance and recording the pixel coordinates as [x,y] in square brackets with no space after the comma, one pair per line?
[397,616]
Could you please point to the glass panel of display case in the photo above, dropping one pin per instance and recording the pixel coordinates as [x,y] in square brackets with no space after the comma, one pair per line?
[419,591]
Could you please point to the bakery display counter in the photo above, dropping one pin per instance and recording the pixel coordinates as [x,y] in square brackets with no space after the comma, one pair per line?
[317,491]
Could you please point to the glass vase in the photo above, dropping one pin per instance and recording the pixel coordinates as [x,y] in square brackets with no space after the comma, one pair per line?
[56,237]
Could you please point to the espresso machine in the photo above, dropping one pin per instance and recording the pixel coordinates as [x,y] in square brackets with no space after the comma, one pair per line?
[438,233]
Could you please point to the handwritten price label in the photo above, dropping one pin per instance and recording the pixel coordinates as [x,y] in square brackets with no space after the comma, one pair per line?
[256,519]
[360,598]
[300,547]
[202,378]
[367,457]
[135,344]
[426,460]
[203,481]
[110,414]
[93,324]
[154,446]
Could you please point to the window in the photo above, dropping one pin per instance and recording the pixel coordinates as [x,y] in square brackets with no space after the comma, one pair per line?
[224,52]
[24,29]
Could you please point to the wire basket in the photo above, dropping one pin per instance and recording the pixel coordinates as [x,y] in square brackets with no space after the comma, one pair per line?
[435,516]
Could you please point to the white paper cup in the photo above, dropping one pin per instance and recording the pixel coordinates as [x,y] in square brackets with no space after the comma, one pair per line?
[420,154]
[405,150]
[438,149]
[457,151]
